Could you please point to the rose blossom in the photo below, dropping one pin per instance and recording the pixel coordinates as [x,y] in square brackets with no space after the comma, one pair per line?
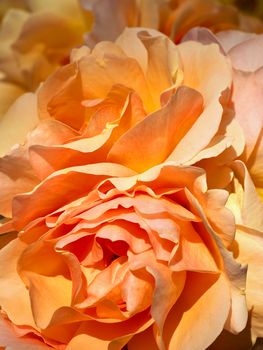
[245,52]
[36,38]
[137,102]
[106,257]
[172,17]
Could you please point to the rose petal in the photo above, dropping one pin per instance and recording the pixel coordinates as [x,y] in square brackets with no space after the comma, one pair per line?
[86,176]
[13,128]
[205,301]
[47,294]
[15,298]
[250,251]
[9,339]
[175,119]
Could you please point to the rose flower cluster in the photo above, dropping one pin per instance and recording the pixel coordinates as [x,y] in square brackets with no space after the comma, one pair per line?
[131,172]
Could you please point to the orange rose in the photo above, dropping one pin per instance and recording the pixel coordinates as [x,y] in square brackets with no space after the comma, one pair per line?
[106,257]
[138,102]
[172,17]
[36,38]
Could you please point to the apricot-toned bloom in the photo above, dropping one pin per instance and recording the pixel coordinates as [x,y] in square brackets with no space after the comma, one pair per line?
[36,37]
[106,257]
[138,102]
[172,17]
[245,52]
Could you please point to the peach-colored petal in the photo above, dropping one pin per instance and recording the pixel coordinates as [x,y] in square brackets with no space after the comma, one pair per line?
[247,97]
[248,209]
[154,147]
[14,126]
[144,205]
[105,282]
[205,301]
[47,294]
[103,334]
[60,97]
[118,232]
[168,287]
[45,160]
[15,298]
[137,292]
[201,69]
[201,73]
[250,251]
[235,272]
[194,254]
[247,205]
[80,341]
[49,132]
[159,75]
[9,339]
[16,172]
[86,176]
[221,218]
[99,74]
[16,176]
[167,174]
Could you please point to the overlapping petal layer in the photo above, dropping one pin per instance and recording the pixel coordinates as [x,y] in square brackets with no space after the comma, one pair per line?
[119,255]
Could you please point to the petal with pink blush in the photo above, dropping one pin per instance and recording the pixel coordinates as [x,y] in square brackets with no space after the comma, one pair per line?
[111,17]
[241,56]
[231,38]
[247,97]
